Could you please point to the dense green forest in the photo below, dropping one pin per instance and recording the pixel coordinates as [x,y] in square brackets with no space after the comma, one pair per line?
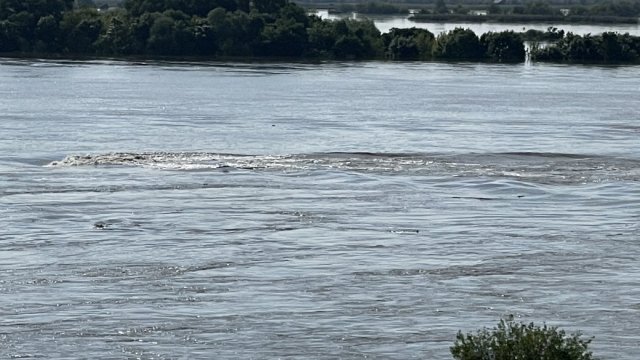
[260,29]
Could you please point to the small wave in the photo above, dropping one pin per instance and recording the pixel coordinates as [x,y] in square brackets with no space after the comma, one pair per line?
[524,166]
[528,154]
[165,160]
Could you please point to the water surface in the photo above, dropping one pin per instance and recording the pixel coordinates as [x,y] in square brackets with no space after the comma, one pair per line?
[167,210]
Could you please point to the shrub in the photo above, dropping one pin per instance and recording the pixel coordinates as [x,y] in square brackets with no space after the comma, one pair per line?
[458,44]
[511,340]
[505,46]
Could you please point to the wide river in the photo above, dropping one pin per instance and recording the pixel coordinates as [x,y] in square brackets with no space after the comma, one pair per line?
[325,211]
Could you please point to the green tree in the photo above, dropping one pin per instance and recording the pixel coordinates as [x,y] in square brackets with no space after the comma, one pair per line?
[237,33]
[458,44]
[511,340]
[409,44]
[349,47]
[205,41]
[285,37]
[81,30]
[22,26]
[170,35]
[140,29]
[357,39]
[295,13]
[611,48]
[8,37]
[117,35]
[582,48]
[162,36]
[47,34]
[321,37]
[505,46]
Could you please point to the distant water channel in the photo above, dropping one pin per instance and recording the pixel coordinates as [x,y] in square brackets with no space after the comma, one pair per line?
[333,210]
[384,23]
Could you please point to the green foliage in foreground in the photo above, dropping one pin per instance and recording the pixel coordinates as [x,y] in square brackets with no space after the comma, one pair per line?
[510,340]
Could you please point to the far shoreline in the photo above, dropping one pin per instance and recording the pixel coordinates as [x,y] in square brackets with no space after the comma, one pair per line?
[514,19]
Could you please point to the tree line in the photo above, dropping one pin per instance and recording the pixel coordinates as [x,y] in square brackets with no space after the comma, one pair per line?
[607,47]
[238,29]
[224,28]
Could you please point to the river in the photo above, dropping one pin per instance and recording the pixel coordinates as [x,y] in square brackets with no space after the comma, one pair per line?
[384,23]
[333,210]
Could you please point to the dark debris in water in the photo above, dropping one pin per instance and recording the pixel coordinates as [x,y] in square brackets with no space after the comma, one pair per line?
[101,225]
[405,231]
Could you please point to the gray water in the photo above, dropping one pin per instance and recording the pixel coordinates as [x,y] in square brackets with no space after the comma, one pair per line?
[363,210]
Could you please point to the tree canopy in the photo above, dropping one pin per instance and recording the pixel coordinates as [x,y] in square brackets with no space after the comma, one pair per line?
[607,47]
[264,28]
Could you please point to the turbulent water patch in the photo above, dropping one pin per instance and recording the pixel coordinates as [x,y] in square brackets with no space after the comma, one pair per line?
[526,166]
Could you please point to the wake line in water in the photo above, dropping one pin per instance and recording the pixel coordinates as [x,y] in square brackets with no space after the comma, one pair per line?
[528,166]
[218,159]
